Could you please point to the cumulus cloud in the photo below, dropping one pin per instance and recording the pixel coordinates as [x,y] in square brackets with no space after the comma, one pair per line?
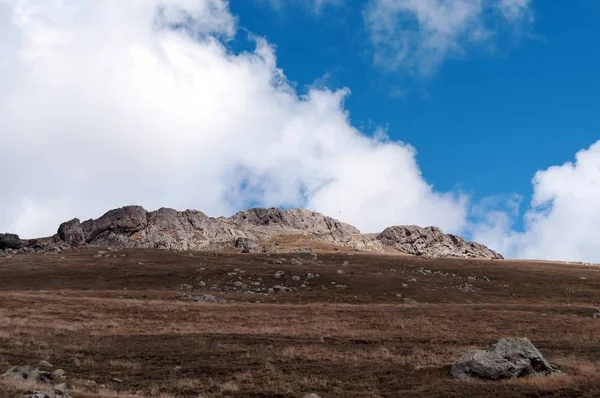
[418,35]
[563,220]
[108,103]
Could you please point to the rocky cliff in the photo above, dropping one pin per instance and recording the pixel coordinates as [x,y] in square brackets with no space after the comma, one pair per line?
[253,230]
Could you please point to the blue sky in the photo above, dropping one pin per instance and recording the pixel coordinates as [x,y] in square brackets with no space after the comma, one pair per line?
[484,122]
[490,109]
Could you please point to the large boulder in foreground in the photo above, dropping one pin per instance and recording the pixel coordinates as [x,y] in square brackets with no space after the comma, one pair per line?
[509,358]
[432,242]
[10,241]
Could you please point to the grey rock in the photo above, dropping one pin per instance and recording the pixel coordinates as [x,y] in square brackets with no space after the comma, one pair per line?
[45,364]
[10,241]
[311,395]
[432,242]
[207,298]
[281,289]
[508,358]
[133,226]
[468,288]
[245,244]
[30,373]
[279,274]
[58,374]
[51,393]
[71,232]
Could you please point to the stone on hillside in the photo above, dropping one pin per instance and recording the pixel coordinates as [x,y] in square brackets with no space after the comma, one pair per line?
[508,358]
[311,395]
[71,232]
[432,242]
[30,373]
[10,241]
[245,244]
[45,364]
[279,274]
[51,393]
[207,298]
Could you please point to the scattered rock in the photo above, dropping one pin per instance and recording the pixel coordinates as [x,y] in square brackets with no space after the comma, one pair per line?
[311,395]
[30,373]
[279,274]
[59,373]
[207,298]
[281,289]
[45,364]
[468,288]
[508,358]
[295,278]
[52,393]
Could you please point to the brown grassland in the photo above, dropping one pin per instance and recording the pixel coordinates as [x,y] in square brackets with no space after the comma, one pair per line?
[121,322]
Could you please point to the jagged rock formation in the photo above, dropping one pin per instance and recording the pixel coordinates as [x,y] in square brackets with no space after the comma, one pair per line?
[508,358]
[432,242]
[253,230]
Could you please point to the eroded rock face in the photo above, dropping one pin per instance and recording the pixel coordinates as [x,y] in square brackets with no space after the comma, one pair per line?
[133,226]
[298,219]
[509,358]
[432,242]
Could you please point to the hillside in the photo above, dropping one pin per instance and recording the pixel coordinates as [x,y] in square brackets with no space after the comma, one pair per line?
[341,324]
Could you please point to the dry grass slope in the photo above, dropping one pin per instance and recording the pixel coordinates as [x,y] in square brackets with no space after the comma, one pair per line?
[350,332]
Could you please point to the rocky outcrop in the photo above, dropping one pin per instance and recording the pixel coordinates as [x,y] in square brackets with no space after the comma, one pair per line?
[432,242]
[253,230]
[132,226]
[508,358]
[30,373]
[71,232]
[10,241]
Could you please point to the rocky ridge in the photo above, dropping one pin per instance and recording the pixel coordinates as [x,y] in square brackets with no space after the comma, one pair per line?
[253,230]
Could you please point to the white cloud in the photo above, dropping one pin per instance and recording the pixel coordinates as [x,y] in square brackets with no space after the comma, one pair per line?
[515,9]
[102,107]
[315,6]
[418,35]
[563,221]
